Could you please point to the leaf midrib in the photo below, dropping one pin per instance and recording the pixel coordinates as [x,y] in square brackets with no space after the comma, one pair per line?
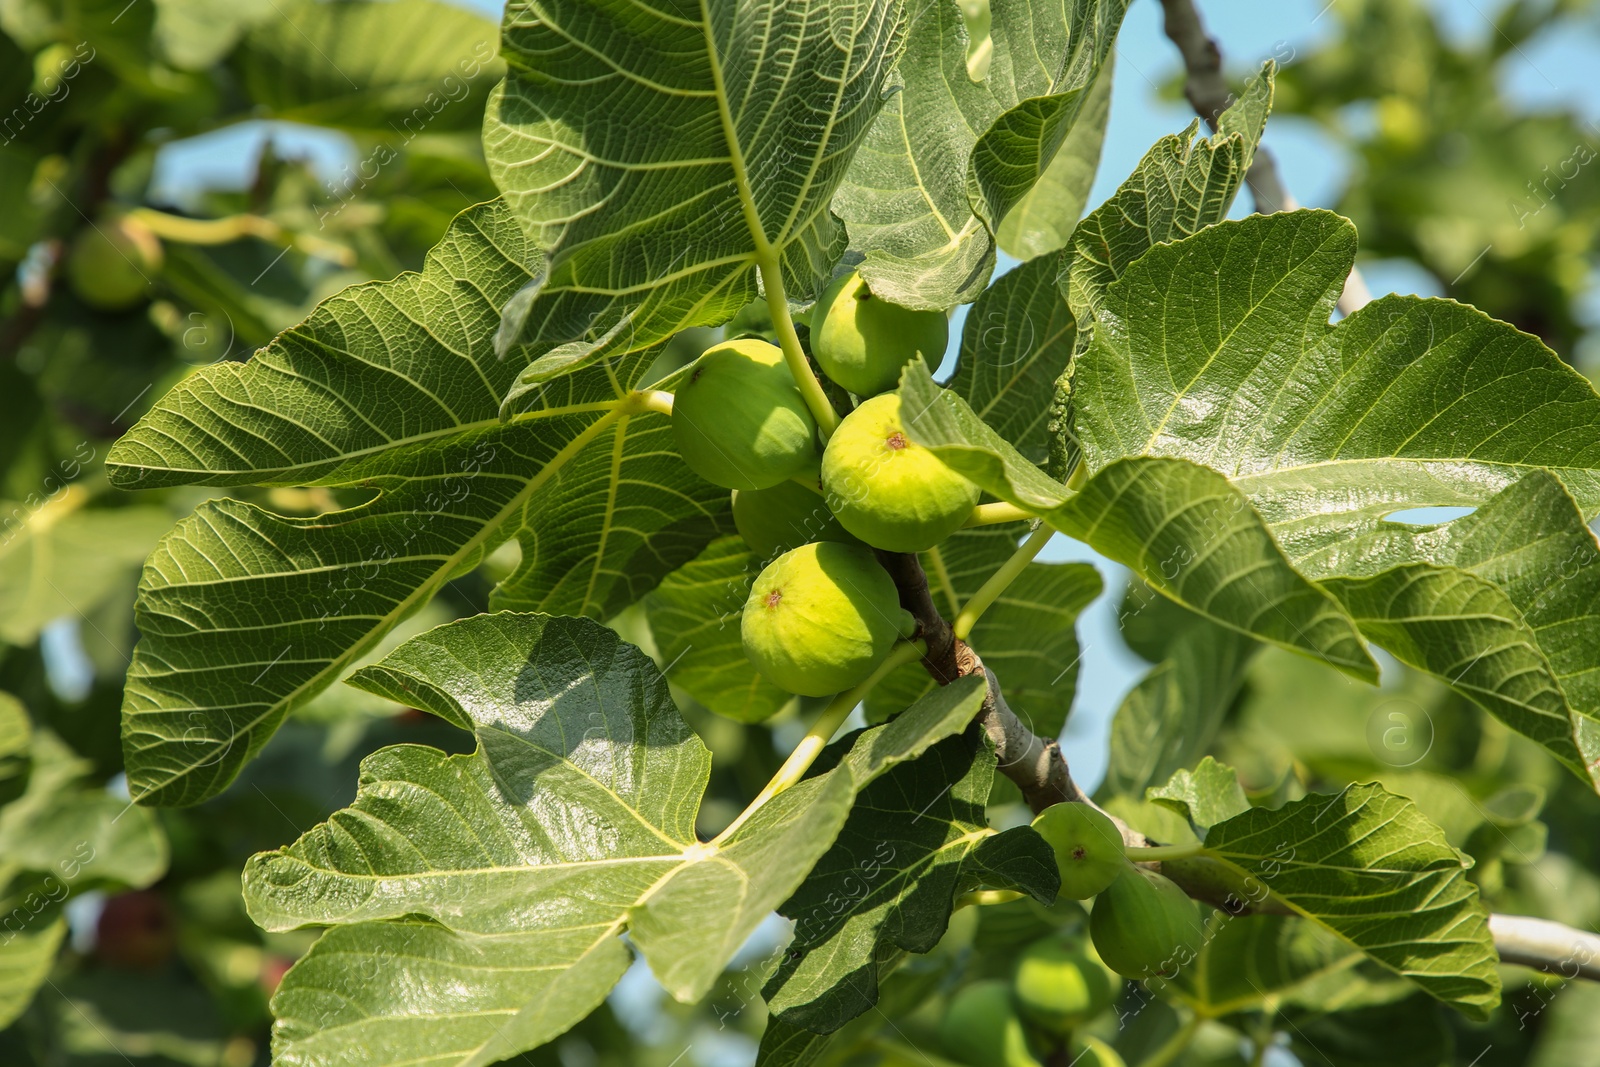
[266,475]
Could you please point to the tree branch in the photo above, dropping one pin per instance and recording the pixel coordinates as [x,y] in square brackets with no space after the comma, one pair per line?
[1546,945]
[1034,763]
[1207,92]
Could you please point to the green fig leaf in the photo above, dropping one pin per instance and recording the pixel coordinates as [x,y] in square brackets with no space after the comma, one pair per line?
[755,111]
[65,826]
[389,386]
[571,822]
[26,959]
[1182,185]
[1207,795]
[948,158]
[1017,341]
[1183,528]
[1367,865]
[916,838]
[64,559]
[404,66]
[1171,716]
[1217,349]
[1500,604]
[1043,220]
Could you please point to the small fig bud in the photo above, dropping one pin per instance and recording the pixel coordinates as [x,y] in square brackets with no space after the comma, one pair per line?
[783,517]
[112,263]
[1059,985]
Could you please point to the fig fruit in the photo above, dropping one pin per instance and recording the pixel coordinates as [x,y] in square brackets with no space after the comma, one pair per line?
[783,517]
[113,262]
[981,1028]
[888,491]
[1059,985]
[1143,926]
[1093,1052]
[821,617]
[1088,847]
[863,341]
[739,420]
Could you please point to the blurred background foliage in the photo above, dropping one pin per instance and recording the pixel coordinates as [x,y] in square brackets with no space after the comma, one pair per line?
[182,179]
[1497,200]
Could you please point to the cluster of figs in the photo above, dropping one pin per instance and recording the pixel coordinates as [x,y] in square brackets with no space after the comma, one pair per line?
[1141,926]
[823,613]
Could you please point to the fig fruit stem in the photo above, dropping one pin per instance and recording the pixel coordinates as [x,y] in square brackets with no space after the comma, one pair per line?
[657,400]
[1174,1046]
[232,228]
[1157,853]
[983,897]
[1009,571]
[816,739]
[1000,511]
[793,355]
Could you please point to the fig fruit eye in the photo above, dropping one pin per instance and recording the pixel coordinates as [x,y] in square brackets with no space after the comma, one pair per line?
[885,488]
[1144,926]
[739,420]
[820,617]
[1088,848]
[863,342]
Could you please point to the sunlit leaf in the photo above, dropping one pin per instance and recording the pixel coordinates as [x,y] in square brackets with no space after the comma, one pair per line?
[916,837]
[572,822]
[1367,865]
[394,387]
[731,126]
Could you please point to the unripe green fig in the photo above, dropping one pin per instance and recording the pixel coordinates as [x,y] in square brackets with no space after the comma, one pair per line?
[821,617]
[1059,985]
[783,517]
[863,341]
[1092,1052]
[887,490]
[113,262]
[1087,844]
[981,1028]
[1144,926]
[739,420]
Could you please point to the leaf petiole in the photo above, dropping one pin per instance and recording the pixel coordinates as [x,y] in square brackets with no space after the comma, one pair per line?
[1159,853]
[816,739]
[983,897]
[1175,1045]
[234,227]
[656,400]
[998,512]
[793,355]
[1009,571]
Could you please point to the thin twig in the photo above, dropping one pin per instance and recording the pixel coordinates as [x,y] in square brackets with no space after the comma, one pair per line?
[1207,92]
